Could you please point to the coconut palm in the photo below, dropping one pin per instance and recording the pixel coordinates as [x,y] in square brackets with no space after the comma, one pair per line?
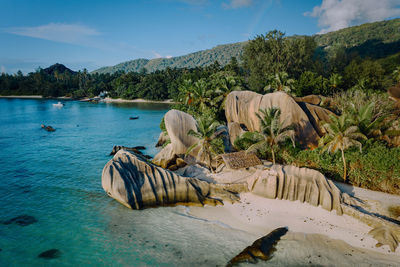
[273,132]
[185,91]
[206,132]
[335,80]
[224,84]
[280,82]
[201,95]
[341,134]
[396,74]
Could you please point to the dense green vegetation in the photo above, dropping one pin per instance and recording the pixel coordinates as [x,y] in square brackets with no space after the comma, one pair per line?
[357,141]
[376,40]
[321,64]
[221,53]
[352,68]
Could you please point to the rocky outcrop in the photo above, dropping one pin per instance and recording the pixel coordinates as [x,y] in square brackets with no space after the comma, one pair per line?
[307,185]
[162,139]
[235,130]
[242,106]
[48,128]
[178,124]
[317,116]
[165,157]
[261,249]
[394,92]
[310,99]
[293,183]
[135,149]
[137,184]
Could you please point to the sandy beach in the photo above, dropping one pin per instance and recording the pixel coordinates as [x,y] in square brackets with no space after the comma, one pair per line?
[315,230]
[21,96]
[138,100]
[36,97]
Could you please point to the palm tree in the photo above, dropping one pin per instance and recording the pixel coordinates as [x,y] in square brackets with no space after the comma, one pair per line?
[273,132]
[206,132]
[280,82]
[185,90]
[341,135]
[371,120]
[396,74]
[335,80]
[201,95]
[223,86]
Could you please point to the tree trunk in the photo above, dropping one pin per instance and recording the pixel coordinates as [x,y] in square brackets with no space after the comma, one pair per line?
[344,166]
[273,155]
[209,161]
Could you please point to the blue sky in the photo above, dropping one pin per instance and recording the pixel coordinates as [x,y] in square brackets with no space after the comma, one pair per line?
[91,34]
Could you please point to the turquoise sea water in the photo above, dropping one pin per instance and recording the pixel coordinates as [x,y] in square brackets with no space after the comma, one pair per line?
[56,178]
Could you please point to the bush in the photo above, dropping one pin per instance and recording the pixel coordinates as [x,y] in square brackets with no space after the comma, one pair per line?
[376,167]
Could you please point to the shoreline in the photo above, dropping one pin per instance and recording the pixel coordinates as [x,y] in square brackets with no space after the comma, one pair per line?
[22,96]
[34,97]
[105,100]
[137,100]
[307,224]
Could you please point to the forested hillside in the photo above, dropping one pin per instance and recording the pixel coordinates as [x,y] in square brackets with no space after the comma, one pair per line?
[374,40]
[221,53]
[365,57]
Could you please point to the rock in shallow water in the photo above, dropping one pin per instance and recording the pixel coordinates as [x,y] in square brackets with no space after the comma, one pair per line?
[262,248]
[50,254]
[137,184]
[22,220]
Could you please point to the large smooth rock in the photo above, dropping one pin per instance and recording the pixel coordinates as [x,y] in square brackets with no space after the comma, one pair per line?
[310,99]
[137,185]
[262,248]
[165,157]
[242,106]
[178,124]
[395,92]
[234,131]
[293,183]
[317,116]
[162,139]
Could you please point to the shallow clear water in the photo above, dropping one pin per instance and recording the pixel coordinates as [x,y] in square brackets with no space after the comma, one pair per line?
[56,177]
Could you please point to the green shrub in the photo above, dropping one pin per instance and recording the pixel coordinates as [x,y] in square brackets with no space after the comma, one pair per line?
[377,167]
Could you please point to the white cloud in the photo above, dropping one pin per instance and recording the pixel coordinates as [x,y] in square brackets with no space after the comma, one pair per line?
[337,14]
[58,32]
[194,2]
[233,4]
[2,69]
[156,54]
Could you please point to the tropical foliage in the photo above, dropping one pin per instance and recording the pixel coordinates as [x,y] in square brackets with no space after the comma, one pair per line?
[273,133]
[279,82]
[209,144]
[341,134]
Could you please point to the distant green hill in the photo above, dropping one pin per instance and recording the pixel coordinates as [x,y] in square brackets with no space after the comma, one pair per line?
[220,53]
[375,40]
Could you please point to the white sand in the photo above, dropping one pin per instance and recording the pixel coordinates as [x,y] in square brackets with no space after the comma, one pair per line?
[21,96]
[258,215]
[138,100]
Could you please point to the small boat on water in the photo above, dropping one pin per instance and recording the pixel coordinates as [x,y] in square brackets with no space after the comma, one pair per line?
[59,104]
[134,118]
